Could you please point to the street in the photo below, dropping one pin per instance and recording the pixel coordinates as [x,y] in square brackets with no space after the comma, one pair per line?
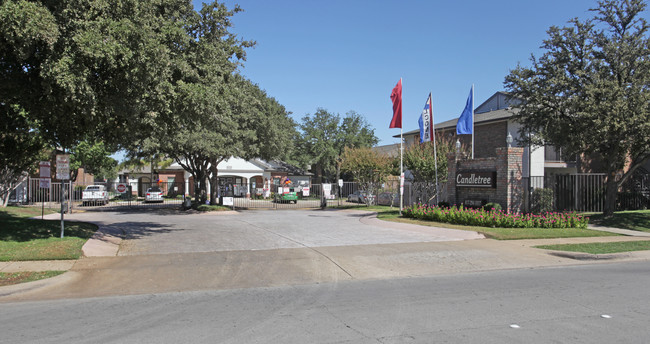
[567,304]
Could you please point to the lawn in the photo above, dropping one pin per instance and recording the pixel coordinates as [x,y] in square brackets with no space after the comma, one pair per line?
[601,247]
[636,220]
[22,238]
[392,214]
[9,278]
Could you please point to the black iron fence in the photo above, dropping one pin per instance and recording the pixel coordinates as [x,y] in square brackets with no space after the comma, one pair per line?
[586,192]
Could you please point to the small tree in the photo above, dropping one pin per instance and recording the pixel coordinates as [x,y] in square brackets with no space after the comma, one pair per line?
[325,136]
[419,160]
[94,158]
[367,167]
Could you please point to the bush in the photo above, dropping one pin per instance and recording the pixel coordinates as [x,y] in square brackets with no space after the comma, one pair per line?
[207,207]
[492,206]
[542,201]
[495,218]
[443,205]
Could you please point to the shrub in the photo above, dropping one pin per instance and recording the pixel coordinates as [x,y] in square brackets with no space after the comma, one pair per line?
[207,207]
[542,201]
[492,206]
[495,217]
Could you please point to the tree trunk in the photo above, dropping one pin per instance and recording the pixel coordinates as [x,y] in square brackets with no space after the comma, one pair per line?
[214,187]
[611,191]
[5,201]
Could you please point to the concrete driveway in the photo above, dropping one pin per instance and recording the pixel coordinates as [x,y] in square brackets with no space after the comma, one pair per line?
[170,231]
[170,251]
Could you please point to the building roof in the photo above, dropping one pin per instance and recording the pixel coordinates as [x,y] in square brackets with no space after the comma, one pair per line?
[388,150]
[479,119]
[280,166]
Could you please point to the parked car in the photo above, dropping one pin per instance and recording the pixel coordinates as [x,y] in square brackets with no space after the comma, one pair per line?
[360,197]
[94,194]
[153,194]
[384,198]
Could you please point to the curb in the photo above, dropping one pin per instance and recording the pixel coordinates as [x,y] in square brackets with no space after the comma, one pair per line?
[589,256]
[26,287]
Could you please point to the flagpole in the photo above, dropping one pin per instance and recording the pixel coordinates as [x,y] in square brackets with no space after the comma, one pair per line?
[401,163]
[473,126]
[435,152]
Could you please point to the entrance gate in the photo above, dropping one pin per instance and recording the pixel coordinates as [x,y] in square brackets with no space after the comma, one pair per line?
[134,195]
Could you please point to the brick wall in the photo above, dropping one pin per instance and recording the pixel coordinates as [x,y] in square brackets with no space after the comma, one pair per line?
[509,192]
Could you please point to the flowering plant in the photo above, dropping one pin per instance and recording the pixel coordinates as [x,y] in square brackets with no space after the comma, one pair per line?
[495,218]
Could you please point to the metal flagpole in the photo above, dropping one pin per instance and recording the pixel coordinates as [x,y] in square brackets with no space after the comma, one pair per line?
[435,152]
[473,121]
[401,162]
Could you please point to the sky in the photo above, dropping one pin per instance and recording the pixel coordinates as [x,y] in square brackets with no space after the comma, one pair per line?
[348,55]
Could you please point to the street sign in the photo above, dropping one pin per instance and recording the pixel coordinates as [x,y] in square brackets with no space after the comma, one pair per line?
[44,171]
[44,183]
[341,183]
[121,188]
[63,166]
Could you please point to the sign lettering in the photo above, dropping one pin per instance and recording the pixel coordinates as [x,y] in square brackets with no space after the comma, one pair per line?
[476,179]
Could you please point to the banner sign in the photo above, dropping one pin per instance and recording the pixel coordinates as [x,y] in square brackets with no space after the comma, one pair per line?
[476,179]
[63,166]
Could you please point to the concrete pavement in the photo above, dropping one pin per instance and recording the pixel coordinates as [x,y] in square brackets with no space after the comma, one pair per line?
[119,262]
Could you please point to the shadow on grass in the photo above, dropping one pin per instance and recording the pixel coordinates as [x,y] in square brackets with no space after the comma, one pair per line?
[638,220]
[17,228]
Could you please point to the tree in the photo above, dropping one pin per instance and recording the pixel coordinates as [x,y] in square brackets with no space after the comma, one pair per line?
[89,68]
[325,136]
[367,167]
[420,162]
[20,149]
[589,92]
[94,158]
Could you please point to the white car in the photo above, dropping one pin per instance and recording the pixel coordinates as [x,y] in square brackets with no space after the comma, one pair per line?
[153,194]
[94,195]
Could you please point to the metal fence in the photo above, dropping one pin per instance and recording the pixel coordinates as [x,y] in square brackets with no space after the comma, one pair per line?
[133,195]
[586,191]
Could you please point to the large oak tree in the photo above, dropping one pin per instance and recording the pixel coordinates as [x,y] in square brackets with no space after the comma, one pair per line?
[589,93]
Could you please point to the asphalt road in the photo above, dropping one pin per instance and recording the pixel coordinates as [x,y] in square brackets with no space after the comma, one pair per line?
[603,303]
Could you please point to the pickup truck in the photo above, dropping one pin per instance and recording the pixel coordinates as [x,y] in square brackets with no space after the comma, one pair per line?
[94,194]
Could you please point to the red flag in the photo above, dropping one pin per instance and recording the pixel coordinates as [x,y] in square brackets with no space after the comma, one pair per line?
[396,97]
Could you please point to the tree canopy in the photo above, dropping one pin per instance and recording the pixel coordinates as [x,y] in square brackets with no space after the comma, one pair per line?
[589,92]
[325,136]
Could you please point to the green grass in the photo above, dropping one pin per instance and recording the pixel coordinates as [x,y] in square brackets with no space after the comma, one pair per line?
[9,278]
[601,247]
[22,238]
[636,220]
[388,214]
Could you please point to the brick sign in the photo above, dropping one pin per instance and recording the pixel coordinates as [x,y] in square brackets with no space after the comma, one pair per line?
[476,179]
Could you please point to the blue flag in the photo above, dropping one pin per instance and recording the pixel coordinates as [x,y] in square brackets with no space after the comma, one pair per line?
[426,122]
[466,121]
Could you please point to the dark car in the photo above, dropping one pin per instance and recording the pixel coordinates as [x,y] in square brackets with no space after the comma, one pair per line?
[385,198]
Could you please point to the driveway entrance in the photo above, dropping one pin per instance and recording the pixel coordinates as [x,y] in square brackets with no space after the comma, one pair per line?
[170,231]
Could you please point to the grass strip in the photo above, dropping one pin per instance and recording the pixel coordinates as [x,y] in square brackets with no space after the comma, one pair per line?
[636,220]
[601,247]
[10,278]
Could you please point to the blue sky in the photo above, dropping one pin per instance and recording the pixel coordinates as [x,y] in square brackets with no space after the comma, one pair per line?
[348,55]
